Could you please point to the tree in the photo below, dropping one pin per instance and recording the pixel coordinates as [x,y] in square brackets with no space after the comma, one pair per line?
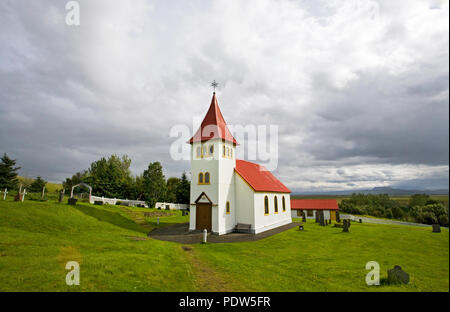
[111,177]
[154,183]
[8,173]
[172,188]
[183,193]
[77,178]
[418,200]
[37,185]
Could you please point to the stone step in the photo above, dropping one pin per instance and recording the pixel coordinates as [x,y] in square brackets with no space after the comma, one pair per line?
[243,228]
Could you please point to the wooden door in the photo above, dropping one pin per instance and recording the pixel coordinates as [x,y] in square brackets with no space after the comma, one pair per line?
[333,215]
[203,215]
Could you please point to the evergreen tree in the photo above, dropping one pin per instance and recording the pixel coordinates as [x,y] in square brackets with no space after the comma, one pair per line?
[8,173]
[37,185]
[183,193]
[155,184]
[172,188]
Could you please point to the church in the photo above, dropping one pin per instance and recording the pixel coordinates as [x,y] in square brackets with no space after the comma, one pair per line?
[229,194]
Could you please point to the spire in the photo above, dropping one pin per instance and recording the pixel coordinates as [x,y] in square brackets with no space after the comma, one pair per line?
[213,125]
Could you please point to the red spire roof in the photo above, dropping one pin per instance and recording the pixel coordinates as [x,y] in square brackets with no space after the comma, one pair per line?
[259,178]
[213,125]
[314,204]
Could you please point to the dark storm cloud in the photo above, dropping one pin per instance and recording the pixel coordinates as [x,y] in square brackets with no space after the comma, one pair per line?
[360,101]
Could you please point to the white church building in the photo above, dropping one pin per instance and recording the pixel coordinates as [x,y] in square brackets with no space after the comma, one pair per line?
[229,194]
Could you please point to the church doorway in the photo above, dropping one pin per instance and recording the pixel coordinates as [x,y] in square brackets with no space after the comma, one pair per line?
[203,216]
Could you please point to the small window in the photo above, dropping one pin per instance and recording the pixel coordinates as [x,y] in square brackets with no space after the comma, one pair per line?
[224,151]
[211,149]
[299,213]
[228,207]
[275,204]
[284,203]
[266,205]
[200,178]
[309,213]
[231,152]
[207,178]
[204,151]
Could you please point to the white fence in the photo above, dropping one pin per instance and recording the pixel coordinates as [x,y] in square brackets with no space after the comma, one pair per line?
[171,206]
[113,201]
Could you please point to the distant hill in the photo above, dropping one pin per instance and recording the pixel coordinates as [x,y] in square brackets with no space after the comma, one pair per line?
[51,187]
[379,190]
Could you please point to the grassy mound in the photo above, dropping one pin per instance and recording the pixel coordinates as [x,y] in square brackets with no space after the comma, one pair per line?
[37,239]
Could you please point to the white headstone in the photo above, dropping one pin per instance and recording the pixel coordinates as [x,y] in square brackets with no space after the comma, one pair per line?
[4,193]
[23,194]
[205,236]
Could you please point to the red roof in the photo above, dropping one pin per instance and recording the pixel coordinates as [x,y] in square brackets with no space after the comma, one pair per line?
[314,204]
[213,125]
[259,178]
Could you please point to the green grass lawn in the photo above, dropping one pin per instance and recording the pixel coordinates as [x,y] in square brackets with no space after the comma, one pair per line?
[111,245]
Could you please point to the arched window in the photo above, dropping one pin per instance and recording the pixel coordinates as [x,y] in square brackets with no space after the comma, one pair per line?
[275,204]
[228,207]
[284,203]
[211,149]
[200,178]
[204,151]
[228,151]
[207,178]
[266,205]
[199,152]
[224,151]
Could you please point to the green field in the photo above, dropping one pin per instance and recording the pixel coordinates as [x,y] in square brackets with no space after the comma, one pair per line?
[402,199]
[111,245]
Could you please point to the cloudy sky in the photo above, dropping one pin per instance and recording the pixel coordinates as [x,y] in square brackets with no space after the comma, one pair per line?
[358,89]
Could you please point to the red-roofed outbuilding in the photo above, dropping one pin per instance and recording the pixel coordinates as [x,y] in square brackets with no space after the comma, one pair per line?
[328,206]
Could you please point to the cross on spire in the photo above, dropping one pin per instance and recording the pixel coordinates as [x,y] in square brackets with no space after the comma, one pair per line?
[214,84]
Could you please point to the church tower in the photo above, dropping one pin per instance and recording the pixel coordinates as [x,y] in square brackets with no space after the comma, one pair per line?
[213,160]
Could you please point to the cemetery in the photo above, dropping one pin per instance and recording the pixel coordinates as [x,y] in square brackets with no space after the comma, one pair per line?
[116,253]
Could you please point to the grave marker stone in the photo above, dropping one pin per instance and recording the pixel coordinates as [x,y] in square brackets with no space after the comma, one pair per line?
[4,193]
[397,276]
[436,228]
[346,225]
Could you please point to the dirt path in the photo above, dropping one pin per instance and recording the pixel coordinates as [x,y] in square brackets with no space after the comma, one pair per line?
[206,278]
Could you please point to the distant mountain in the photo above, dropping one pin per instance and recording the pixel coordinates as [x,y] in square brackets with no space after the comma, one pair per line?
[379,190]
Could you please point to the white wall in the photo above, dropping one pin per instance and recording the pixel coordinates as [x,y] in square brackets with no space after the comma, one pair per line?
[245,202]
[326,214]
[273,220]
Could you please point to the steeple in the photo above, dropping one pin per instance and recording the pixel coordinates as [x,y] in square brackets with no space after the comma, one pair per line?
[213,125]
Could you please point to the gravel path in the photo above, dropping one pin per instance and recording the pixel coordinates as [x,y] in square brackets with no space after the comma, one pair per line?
[381,221]
[179,233]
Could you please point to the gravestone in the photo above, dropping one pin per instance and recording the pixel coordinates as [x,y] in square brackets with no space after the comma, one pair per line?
[321,218]
[436,228]
[18,197]
[346,225]
[72,201]
[397,276]
[61,196]
[4,193]
[98,202]
[303,216]
[338,217]
[360,220]
[300,227]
